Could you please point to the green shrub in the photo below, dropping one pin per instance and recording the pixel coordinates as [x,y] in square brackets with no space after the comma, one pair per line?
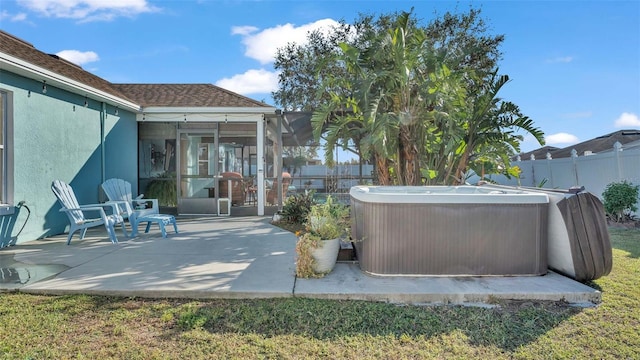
[297,207]
[328,220]
[620,199]
[164,189]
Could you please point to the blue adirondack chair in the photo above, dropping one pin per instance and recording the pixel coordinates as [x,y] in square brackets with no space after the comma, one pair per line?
[77,213]
[133,208]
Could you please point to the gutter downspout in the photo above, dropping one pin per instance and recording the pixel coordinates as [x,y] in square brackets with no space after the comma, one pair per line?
[103,115]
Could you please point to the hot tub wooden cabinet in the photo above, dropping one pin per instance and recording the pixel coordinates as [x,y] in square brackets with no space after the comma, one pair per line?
[449,230]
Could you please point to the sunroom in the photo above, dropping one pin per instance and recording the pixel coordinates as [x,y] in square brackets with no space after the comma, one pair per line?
[205,150]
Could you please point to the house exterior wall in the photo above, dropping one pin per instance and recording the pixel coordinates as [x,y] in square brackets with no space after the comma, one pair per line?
[57,137]
[121,147]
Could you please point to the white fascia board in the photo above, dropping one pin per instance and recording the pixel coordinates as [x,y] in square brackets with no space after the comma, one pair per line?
[28,70]
[204,114]
[209,110]
[197,117]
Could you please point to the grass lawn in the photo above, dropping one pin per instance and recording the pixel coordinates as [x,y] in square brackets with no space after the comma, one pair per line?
[92,327]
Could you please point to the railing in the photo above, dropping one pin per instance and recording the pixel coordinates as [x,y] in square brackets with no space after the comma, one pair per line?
[338,179]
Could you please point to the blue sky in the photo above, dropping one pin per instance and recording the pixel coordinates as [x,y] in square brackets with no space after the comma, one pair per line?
[574,65]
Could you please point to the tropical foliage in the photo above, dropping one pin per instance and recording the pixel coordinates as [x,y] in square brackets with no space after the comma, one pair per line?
[163,188]
[420,102]
[296,208]
[325,221]
[620,199]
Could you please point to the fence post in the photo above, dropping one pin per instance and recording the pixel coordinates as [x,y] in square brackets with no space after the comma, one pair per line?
[574,159]
[617,148]
[549,169]
[533,170]
[519,161]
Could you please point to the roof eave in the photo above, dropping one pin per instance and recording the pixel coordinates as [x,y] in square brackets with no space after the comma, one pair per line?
[209,110]
[204,114]
[16,65]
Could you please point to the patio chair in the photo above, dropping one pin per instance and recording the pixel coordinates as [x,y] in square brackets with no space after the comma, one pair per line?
[119,190]
[76,213]
[237,187]
[272,194]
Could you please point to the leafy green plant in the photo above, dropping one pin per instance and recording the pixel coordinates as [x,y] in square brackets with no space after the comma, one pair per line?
[297,207]
[163,188]
[328,220]
[620,199]
[542,183]
[325,221]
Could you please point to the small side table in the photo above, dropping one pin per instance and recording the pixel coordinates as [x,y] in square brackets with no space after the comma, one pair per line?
[161,219]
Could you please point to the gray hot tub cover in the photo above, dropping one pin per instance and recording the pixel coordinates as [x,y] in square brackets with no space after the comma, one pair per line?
[584,218]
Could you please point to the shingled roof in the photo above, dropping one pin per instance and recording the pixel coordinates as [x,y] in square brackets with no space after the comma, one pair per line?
[185,95]
[599,144]
[145,95]
[25,51]
[540,153]
[602,143]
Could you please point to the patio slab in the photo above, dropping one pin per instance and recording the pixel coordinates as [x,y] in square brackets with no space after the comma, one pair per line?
[348,282]
[239,257]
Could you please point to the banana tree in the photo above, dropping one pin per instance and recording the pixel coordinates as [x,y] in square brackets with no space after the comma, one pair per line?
[491,120]
[351,116]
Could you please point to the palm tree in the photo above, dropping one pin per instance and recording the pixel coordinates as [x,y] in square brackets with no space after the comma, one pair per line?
[403,107]
[352,116]
[491,120]
[393,98]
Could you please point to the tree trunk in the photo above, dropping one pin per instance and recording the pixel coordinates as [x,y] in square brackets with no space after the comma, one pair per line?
[464,159]
[462,166]
[409,168]
[382,170]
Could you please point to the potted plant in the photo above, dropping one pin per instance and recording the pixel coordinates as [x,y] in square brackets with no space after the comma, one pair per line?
[318,247]
[163,188]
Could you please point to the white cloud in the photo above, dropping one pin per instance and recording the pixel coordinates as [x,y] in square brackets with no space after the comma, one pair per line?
[262,45]
[627,120]
[4,15]
[243,30]
[88,10]
[561,138]
[251,82]
[78,57]
[19,17]
[561,59]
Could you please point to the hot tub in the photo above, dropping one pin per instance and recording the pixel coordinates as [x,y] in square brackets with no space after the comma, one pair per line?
[449,230]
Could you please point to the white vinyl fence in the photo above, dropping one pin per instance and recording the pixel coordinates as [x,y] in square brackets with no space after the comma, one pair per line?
[593,171]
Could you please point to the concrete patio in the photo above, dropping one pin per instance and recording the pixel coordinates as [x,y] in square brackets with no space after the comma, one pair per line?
[239,257]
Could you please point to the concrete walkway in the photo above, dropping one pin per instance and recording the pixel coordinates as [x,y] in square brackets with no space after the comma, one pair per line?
[239,258]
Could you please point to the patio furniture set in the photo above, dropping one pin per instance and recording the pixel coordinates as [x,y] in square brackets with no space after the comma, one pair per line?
[121,206]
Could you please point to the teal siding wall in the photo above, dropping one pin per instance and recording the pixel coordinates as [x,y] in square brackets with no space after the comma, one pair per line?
[121,147]
[57,137]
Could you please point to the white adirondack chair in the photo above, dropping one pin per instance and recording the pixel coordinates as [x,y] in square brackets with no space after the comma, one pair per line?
[76,213]
[120,191]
